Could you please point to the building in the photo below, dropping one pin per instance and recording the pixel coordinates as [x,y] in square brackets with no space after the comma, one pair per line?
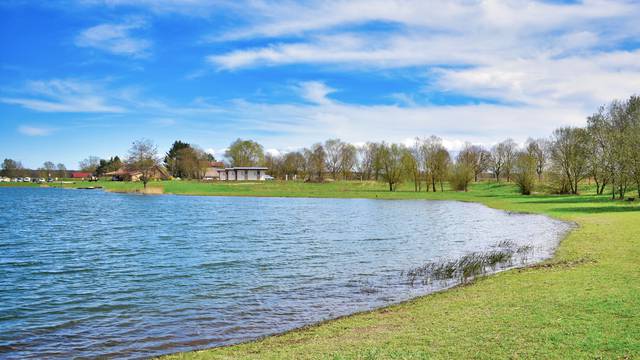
[243,173]
[213,171]
[124,174]
[81,175]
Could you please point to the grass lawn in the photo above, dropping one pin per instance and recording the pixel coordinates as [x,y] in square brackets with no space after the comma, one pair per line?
[584,303]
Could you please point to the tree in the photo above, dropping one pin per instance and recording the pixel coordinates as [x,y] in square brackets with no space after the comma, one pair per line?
[525,171]
[436,160]
[275,164]
[48,168]
[143,157]
[461,176]
[598,154]
[10,168]
[61,170]
[89,164]
[105,166]
[475,157]
[369,161]
[333,149]
[348,159]
[539,150]
[569,151]
[391,160]
[293,164]
[502,159]
[315,160]
[411,167]
[245,153]
[172,159]
[364,162]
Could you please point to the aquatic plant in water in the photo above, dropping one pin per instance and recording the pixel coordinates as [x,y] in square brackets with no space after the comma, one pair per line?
[470,265]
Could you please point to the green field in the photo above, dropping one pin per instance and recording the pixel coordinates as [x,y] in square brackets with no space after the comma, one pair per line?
[584,303]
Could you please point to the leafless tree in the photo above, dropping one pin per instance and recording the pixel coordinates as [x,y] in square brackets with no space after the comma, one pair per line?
[539,150]
[333,150]
[143,157]
[348,159]
[569,151]
[391,159]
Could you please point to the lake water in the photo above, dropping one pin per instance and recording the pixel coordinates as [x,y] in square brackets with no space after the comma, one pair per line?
[95,274]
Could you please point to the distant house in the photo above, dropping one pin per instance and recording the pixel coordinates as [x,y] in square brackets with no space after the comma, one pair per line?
[82,175]
[213,171]
[124,174]
[245,173]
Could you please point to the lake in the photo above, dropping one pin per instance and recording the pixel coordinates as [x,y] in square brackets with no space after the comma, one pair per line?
[96,274]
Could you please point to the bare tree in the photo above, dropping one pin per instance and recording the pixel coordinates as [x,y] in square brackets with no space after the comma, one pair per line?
[539,150]
[48,168]
[502,159]
[333,150]
[569,152]
[412,165]
[436,160]
[62,170]
[143,157]
[348,159]
[89,164]
[364,162]
[315,159]
[391,160]
[476,157]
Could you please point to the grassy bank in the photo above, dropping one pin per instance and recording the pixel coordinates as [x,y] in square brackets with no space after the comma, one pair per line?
[584,303]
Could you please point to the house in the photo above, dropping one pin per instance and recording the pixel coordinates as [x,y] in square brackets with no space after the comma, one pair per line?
[124,174]
[82,175]
[243,173]
[213,170]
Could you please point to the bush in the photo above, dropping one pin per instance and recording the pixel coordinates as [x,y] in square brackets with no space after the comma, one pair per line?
[461,176]
[525,173]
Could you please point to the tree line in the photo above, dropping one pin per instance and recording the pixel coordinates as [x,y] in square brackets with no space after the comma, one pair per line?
[605,151]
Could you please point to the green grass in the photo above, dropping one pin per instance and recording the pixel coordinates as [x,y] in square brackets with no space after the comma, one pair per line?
[583,303]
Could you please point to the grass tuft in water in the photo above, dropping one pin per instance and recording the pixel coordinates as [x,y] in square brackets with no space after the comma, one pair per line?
[469,266]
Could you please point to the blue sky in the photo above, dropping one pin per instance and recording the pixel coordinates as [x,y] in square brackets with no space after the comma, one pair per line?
[88,77]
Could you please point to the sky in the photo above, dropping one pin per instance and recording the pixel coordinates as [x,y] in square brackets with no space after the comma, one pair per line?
[88,77]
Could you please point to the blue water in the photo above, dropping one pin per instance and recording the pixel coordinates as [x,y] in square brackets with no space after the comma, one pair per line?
[95,274]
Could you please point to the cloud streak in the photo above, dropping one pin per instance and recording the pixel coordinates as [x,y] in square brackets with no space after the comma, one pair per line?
[34,130]
[117,39]
[64,95]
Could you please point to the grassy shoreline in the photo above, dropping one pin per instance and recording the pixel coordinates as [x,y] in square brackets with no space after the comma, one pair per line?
[583,303]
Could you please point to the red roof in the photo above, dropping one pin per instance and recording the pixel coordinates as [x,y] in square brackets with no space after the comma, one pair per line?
[216,164]
[80,174]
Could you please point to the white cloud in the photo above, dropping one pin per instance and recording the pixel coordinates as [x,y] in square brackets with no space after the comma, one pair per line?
[34,130]
[534,53]
[315,92]
[304,124]
[116,38]
[66,95]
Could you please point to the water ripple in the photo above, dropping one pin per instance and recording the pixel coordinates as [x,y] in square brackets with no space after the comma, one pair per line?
[100,275]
